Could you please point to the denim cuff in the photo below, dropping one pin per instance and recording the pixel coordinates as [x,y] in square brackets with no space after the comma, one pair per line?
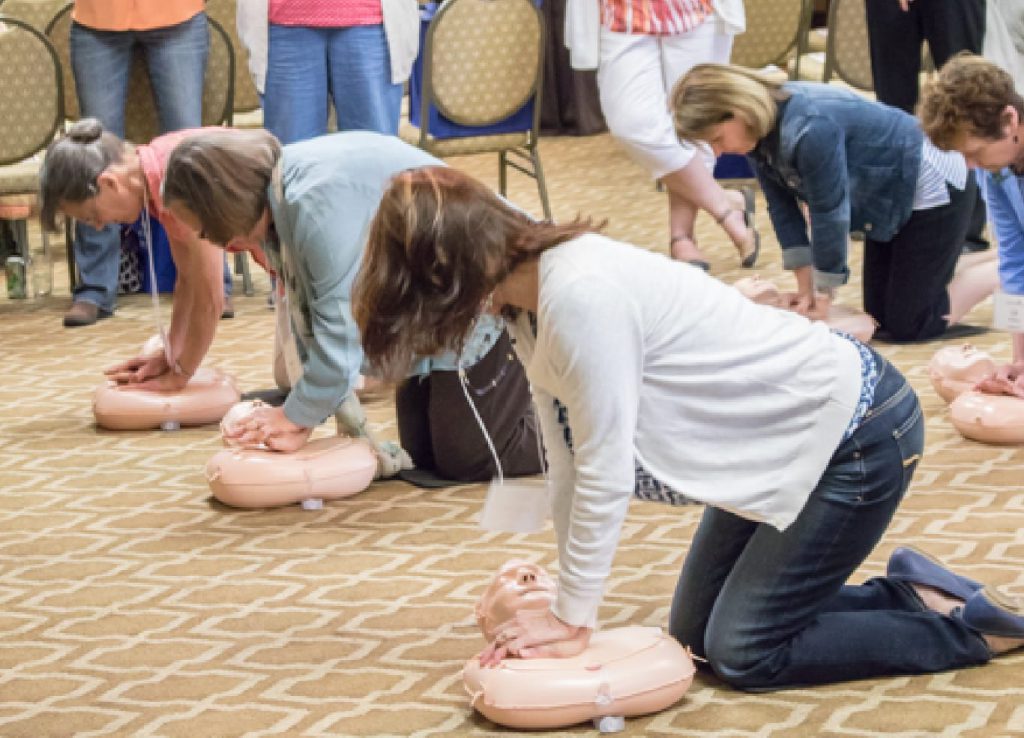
[828,279]
[794,257]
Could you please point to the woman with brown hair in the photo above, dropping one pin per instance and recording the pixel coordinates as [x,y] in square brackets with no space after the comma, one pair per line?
[800,441]
[305,208]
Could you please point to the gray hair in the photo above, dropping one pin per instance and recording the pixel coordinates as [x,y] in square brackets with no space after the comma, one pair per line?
[72,165]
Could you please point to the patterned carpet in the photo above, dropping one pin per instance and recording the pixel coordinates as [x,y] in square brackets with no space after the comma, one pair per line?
[133,605]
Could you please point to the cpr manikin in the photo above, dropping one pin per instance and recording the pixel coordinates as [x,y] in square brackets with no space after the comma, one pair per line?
[623,672]
[254,477]
[982,407]
[208,395]
[954,370]
[858,324]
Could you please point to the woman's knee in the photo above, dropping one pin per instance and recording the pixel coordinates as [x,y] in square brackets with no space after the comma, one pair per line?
[737,661]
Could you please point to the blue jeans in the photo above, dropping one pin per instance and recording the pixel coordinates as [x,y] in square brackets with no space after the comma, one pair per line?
[771,609]
[101,62]
[306,65]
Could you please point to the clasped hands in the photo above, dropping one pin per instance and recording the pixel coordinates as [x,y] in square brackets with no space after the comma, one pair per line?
[812,305]
[148,372]
[535,634]
[1008,380]
[270,427]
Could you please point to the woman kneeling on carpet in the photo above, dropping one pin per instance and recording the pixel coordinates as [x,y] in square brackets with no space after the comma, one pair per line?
[637,363]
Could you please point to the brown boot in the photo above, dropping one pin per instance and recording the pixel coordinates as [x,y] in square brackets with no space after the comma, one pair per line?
[83,313]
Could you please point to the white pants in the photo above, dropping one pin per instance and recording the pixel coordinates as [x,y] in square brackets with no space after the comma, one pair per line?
[635,77]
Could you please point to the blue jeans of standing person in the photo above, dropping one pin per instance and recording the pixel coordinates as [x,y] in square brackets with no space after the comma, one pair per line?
[771,609]
[102,62]
[306,66]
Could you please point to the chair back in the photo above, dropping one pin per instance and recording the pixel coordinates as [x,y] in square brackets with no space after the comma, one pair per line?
[31,91]
[483,60]
[225,12]
[58,31]
[37,13]
[847,50]
[774,29]
[142,123]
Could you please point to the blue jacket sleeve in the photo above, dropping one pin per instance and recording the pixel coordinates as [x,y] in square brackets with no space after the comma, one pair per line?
[1005,204]
[820,160]
[787,220]
[328,248]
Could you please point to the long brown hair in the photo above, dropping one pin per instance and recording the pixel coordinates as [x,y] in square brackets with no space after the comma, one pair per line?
[438,246]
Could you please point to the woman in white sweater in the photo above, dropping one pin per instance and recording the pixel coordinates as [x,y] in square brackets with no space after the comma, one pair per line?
[800,441]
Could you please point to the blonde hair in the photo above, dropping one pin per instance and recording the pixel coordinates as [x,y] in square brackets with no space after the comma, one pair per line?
[969,97]
[222,176]
[710,94]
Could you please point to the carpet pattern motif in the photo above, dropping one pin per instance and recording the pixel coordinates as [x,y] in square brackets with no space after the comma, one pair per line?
[132,604]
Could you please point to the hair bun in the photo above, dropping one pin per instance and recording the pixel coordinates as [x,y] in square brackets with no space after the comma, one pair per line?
[86,131]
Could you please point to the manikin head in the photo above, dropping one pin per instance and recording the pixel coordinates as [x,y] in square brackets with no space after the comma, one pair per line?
[974,108]
[760,291]
[518,585]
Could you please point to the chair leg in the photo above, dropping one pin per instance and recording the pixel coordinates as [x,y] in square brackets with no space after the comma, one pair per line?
[502,173]
[69,247]
[542,187]
[242,265]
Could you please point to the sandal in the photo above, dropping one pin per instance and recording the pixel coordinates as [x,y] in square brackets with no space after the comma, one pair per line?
[699,263]
[749,259]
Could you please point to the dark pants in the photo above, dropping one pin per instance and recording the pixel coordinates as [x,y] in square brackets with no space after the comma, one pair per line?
[905,280]
[896,38]
[771,609]
[437,426]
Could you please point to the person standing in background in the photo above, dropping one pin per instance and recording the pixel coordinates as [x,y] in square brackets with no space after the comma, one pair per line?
[897,30]
[356,53]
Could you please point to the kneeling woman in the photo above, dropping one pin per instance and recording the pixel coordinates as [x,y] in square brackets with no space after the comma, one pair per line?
[306,209]
[859,166]
[800,441]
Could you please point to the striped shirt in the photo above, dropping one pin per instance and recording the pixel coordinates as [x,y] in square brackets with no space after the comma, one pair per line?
[938,168]
[654,17]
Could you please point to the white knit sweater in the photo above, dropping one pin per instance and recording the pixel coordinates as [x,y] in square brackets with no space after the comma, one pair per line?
[734,404]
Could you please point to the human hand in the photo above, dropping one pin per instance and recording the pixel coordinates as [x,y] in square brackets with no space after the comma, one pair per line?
[166,382]
[535,634]
[138,369]
[269,426]
[1007,380]
[905,5]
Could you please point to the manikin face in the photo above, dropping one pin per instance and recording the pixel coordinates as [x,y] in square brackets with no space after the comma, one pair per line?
[116,201]
[996,153]
[730,137]
[518,585]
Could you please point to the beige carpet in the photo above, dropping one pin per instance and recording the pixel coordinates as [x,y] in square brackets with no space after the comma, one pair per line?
[132,605]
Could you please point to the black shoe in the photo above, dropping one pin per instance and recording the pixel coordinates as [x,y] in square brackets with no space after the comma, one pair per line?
[84,313]
[974,245]
[229,308]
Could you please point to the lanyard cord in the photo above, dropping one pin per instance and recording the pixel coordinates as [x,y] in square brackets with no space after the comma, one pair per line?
[147,234]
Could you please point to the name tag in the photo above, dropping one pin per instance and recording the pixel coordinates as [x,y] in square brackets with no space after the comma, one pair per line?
[1009,312]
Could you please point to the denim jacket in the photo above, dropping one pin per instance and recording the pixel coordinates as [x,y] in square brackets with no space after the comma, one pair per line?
[854,162]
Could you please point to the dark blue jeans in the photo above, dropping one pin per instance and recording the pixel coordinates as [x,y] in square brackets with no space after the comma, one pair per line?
[771,609]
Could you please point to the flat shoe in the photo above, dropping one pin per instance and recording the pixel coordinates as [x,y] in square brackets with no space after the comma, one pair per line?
[749,202]
[991,613]
[907,564]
